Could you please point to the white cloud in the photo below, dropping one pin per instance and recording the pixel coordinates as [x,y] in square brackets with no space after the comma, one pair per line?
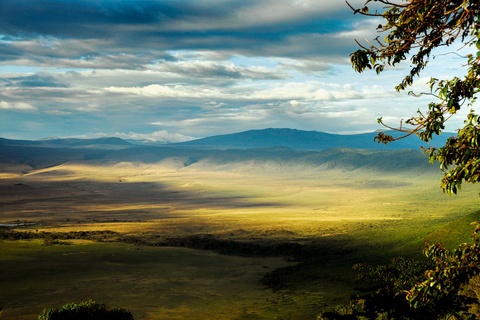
[260,91]
[20,106]
[161,136]
[240,65]
[57,112]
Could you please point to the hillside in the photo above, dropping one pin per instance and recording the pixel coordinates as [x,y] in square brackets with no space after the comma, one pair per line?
[344,159]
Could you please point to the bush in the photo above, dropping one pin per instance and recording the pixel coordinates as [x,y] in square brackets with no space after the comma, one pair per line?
[87,310]
[383,292]
[447,288]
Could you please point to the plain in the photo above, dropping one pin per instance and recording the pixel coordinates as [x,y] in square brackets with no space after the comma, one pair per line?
[339,217]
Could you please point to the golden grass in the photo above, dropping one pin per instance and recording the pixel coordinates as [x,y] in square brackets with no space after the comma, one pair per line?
[130,197]
[381,214]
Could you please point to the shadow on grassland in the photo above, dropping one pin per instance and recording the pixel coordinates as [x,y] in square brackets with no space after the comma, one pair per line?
[35,199]
[320,264]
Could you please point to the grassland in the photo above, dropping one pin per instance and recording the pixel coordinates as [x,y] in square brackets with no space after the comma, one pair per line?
[341,217]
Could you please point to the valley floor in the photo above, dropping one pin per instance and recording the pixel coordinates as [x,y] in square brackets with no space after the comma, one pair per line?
[337,219]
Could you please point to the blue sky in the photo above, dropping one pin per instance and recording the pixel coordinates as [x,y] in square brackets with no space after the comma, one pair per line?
[171,70]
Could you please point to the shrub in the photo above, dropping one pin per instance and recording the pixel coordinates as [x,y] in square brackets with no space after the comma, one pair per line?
[87,310]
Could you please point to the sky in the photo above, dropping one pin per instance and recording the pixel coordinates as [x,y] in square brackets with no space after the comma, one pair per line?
[176,70]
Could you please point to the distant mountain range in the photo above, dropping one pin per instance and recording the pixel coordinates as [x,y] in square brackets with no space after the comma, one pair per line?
[306,140]
[265,138]
[276,147]
[99,143]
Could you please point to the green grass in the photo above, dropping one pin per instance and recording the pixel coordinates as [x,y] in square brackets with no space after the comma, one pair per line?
[154,283]
[345,218]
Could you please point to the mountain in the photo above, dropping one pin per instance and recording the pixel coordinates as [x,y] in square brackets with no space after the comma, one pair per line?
[264,138]
[41,154]
[99,143]
[305,140]
[284,149]
[51,152]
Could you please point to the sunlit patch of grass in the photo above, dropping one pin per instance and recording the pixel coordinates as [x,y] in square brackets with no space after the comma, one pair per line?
[8,175]
[457,231]
[348,217]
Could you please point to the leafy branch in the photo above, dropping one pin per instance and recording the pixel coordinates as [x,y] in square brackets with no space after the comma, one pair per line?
[414,30]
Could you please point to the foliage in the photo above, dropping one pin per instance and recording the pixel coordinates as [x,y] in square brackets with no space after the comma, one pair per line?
[383,290]
[10,233]
[441,291]
[196,241]
[414,29]
[409,289]
[87,310]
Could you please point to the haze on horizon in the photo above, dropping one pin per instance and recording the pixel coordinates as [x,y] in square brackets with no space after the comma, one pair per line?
[171,71]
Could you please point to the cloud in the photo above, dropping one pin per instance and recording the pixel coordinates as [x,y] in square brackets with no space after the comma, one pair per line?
[20,106]
[108,32]
[38,80]
[203,69]
[344,115]
[161,136]
[182,69]
[57,112]
[259,92]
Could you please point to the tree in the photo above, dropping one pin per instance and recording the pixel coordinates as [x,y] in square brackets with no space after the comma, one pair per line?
[409,289]
[87,310]
[443,291]
[382,290]
[415,28]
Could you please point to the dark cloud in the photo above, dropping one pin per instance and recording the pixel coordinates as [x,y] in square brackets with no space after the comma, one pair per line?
[245,26]
[95,19]
[8,53]
[191,67]
[38,80]
[208,71]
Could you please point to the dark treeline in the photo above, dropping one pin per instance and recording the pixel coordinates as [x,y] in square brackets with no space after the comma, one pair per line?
[305,254]
[8,233]
[291,250]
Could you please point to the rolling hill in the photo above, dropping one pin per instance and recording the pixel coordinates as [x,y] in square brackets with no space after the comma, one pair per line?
[284,149]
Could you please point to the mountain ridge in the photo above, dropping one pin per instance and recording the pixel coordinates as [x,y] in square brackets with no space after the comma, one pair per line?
[306,140]
[260,138]
[284,149]
[107,142]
